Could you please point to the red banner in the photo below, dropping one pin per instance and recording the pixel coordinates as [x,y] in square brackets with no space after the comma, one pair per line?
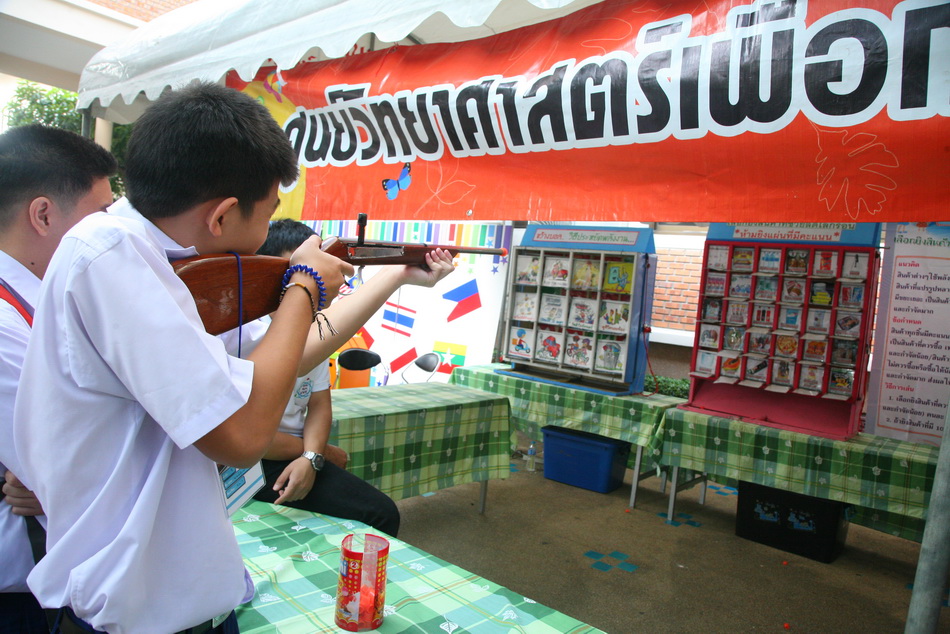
[636,111]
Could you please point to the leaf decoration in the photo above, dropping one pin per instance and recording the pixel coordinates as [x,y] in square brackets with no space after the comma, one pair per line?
[446,188]
[449,626]
[852,171]
[453,192]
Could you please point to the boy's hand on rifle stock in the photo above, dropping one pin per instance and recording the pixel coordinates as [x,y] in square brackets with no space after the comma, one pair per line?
[333,270]
[439,263]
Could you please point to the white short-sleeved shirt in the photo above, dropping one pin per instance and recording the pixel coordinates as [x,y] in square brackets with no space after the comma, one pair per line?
[317,380]
[118,382]
[295,414]
[16,558]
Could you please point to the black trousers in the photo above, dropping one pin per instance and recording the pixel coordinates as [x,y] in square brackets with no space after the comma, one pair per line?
[68,623]
[20,613]
[339,493]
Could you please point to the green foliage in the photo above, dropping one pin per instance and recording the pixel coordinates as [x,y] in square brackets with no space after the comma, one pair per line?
[668,386]
[34,104]
[120,139]
[56,107]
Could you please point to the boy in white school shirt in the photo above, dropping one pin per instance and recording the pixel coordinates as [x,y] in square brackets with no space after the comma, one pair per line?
[49,179]
[139,539]
[296,471]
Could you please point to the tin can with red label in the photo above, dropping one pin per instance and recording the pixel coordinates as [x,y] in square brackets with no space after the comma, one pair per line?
[361,591]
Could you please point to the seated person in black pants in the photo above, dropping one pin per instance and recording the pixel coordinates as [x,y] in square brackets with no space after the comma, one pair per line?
[297,466]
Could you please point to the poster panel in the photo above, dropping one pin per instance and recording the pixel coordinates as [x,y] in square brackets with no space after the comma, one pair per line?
[720,110]
[458,318]
[910,374]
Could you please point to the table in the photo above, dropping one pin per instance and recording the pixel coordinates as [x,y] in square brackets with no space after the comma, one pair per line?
[888,481]
[411,439]
[293,558]
[535,404]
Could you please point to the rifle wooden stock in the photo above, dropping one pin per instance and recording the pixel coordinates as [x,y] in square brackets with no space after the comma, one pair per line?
[213,279]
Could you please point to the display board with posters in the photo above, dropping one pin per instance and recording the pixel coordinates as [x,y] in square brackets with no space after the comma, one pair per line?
[580,297]
[458,318]
[784,323]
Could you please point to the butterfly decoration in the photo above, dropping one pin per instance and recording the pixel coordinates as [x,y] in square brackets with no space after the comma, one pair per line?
[393,186]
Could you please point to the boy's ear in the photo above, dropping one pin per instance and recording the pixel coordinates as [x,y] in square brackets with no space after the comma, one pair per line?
[217,214]
[40,210]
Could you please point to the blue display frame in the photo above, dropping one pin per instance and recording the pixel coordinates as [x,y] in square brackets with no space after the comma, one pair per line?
[605,243]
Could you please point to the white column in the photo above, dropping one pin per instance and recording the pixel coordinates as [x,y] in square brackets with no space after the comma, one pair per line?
[103,133]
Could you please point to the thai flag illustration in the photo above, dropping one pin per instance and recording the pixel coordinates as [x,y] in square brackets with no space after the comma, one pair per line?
[466,297]
[398,318]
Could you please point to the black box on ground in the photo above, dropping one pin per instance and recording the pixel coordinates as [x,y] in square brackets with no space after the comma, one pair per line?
[583,459]
[800,524]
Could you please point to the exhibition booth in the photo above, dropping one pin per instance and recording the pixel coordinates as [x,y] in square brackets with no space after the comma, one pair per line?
[568,134]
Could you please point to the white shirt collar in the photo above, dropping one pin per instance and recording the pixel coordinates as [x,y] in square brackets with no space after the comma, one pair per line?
[173,250]
[20,278]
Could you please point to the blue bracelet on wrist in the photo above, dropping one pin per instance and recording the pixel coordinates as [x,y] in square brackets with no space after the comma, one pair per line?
[302,268]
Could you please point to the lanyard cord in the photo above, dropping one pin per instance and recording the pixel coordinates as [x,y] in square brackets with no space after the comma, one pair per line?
[240,275]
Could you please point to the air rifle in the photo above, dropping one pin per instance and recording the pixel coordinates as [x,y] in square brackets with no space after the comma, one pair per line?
[221,282]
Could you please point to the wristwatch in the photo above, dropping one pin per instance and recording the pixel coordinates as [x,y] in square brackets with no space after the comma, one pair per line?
[316,459]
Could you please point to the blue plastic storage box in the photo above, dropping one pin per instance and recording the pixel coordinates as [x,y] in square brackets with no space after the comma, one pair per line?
[583,459]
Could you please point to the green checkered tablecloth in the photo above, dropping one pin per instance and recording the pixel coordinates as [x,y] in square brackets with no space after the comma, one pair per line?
[293,558]
[412,439]
[888,481]
[535,404]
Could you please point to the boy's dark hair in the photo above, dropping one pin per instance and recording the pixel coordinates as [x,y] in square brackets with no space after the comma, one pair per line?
[38,160]
[203,142]
[285,235]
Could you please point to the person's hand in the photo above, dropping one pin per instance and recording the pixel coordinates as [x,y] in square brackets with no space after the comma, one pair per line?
[332,270]
[21,499]
[439,263]
[295,481]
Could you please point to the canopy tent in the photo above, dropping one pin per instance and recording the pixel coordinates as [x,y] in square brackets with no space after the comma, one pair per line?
[207,39]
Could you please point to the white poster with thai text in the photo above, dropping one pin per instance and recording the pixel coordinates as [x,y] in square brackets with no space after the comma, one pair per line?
[910,373]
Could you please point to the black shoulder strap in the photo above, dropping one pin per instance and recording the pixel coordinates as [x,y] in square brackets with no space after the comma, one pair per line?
[37,535]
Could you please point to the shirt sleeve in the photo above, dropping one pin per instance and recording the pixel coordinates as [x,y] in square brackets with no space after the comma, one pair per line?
[321,377]
[14,335]
[134,331]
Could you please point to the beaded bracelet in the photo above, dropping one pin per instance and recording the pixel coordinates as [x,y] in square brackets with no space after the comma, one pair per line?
[303,268]
[309,294]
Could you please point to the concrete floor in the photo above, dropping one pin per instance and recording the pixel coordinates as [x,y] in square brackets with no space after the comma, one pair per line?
[538,537]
